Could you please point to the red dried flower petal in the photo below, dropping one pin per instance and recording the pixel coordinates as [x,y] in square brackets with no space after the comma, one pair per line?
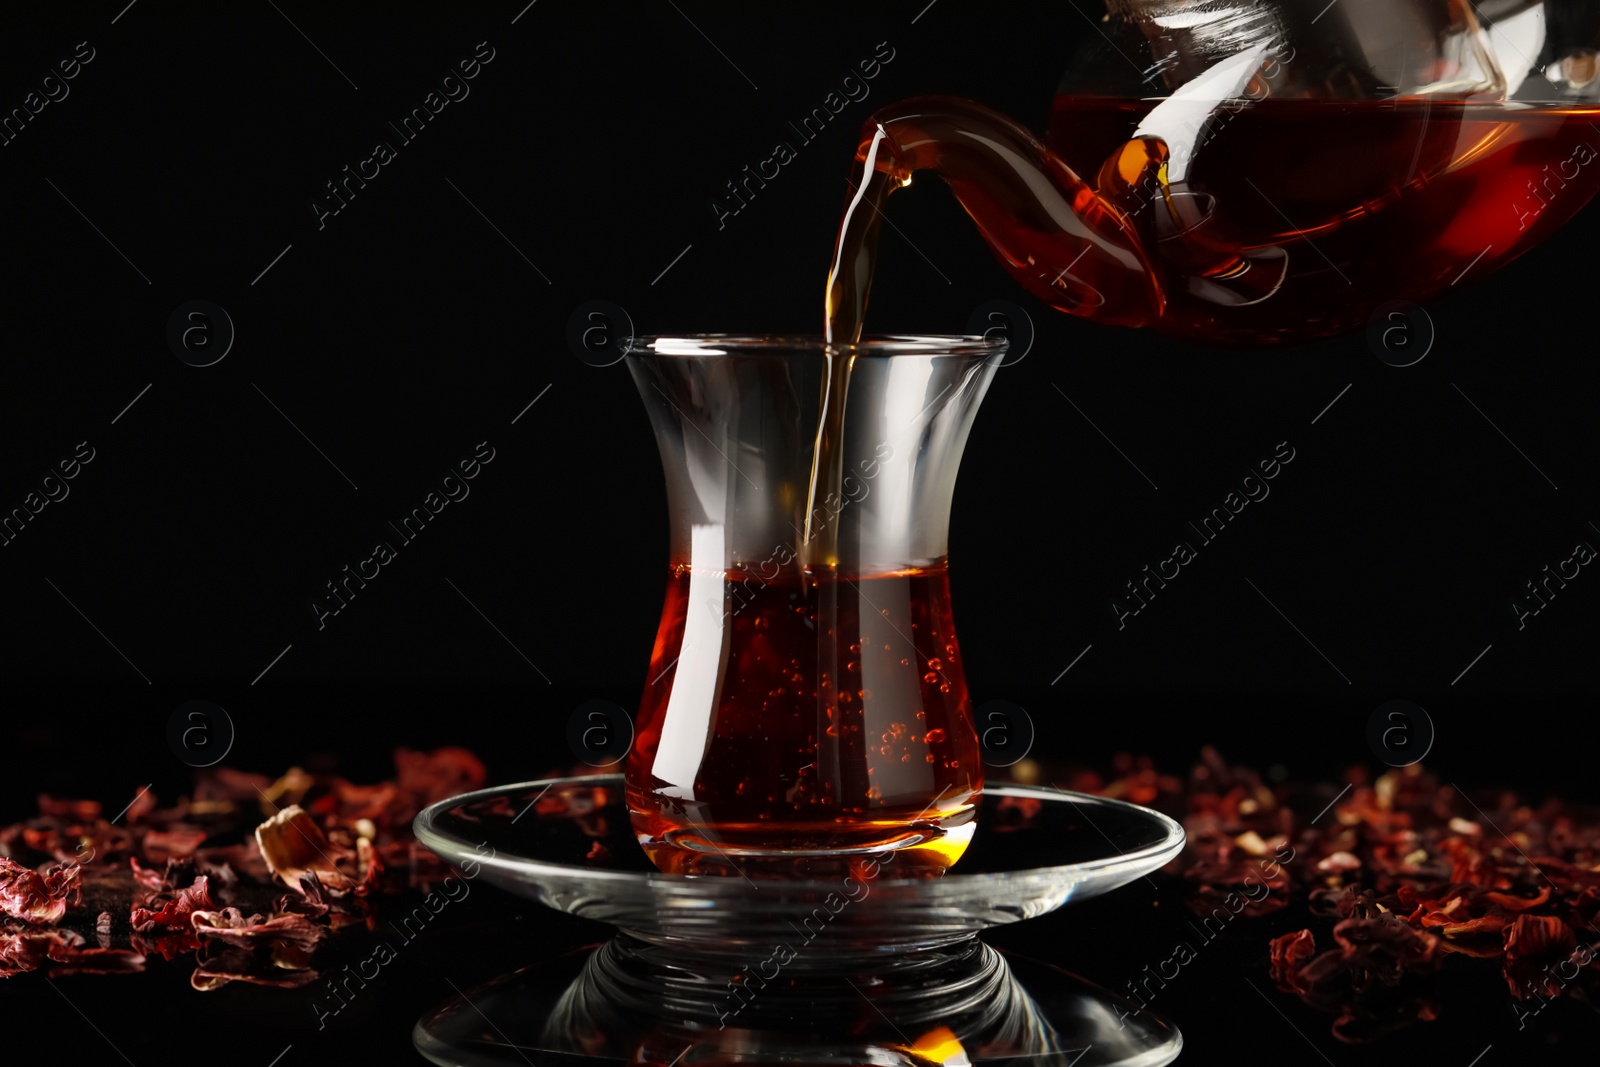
[281,929]
[143,803]
[148,877]
[175,911]
[1386,946]
[1484,924]
[68,810]
[1586,909]
[219,790]
[293,845]
[1511,903]
[371,869]
[310,900]
[433,776]
[377,803]
[35,898]
[177,841]
[1288,954]
[1534,944]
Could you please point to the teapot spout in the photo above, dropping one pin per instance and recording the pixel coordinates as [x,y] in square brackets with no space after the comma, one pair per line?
[1048,228]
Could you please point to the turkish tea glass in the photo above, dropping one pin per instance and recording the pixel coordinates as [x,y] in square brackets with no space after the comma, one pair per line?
[806,704]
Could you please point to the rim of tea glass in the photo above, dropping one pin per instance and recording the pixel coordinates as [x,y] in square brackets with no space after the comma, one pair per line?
[876,345]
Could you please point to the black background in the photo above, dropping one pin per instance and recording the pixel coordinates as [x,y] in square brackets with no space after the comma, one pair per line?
[410,327]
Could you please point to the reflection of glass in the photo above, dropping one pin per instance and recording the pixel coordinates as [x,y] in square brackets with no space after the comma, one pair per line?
[806,695]
[631,1003]
[1263,173]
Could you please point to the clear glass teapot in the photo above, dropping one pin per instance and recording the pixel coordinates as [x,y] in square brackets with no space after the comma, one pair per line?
[1253,173]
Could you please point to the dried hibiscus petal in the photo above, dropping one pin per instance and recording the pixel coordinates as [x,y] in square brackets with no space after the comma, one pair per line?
[1483,924]
[1338,863]
[143,803]
[431,777]
[280,929]
[375,803]
[220,874]
[1288,954]
[148,877]
[1386,948]
[311,901]
[1511,903]
[68,810]
[371,868]
[175,910]
[293,846]
[40,899]
[1534,944]
[177,841]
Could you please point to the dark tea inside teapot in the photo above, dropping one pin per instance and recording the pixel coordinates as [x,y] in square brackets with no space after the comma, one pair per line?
[1253,174]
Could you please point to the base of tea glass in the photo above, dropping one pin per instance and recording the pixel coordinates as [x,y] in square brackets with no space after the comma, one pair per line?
[926,990]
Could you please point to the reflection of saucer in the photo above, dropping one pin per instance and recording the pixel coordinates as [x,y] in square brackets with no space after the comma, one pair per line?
[628,1002]
[567,842]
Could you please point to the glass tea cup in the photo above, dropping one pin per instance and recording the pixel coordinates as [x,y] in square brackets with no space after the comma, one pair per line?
[806,704]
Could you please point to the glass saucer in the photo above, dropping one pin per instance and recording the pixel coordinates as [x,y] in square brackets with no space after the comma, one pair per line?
[568,843]
[625,1002]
